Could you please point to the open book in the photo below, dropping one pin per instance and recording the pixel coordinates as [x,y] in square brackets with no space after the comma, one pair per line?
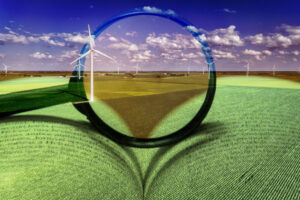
[247,147]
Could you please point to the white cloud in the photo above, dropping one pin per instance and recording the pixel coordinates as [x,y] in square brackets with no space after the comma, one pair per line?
[291,37]
[202,38]
[75,37]
[293,30]
[170,12]
[222,54]
[68,55]
[169,43]
[33,39]
[157,10]
[296,52]
[282,52]
[192,29]
[267,52]
[256,54]
[142,56]
[2,55]
[47,39]
[112,39]
[295,59]
[152,9]
[229,11]
[251,52]
[256,39]
[131,34]
[12,38]
[39,55]
[225,36]
[124,44]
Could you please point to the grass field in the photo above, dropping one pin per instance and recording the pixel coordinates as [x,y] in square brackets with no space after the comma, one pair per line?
[247,148]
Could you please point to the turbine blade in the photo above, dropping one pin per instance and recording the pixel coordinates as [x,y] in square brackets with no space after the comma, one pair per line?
[103,54]
[91,38]
[89,30]
[83,55]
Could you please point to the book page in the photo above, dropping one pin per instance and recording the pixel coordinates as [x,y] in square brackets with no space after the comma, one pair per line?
[247,147]
[51,157]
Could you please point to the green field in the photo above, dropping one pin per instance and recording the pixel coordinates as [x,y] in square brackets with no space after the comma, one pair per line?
[247,148]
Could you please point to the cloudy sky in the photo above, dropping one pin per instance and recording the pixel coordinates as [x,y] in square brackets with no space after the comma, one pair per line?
[47,35]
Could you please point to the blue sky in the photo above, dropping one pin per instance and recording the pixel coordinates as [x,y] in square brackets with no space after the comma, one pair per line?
[47,35]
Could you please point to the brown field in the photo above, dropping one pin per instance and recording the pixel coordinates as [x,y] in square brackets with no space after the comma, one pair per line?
[292,76]
[145,100]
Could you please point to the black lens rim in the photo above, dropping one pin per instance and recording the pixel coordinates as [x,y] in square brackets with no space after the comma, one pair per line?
[106,130]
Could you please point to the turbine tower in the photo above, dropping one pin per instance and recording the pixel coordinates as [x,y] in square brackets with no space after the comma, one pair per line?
[274,69]
[91,52]
[78,66]
[5,68]
[137,68]
[208,64]
[248,68]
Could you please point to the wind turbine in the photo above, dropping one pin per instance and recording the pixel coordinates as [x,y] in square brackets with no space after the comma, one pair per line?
[78,66]
[248,68]
[5,68]
[137,68]
[208,68]
[91,52]
[274,69]
[118,69]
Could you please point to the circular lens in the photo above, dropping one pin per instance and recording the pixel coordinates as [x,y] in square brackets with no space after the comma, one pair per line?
[146,76]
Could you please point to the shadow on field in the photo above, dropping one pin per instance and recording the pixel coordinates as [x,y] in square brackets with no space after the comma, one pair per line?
[82,125]
[88,129]
[190,144]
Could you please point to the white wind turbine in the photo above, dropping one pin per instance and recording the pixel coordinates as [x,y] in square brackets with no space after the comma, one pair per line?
[274,69]
[5,68]
[208,68]
[78,66]
[137,68]
[91,52]
[248,68]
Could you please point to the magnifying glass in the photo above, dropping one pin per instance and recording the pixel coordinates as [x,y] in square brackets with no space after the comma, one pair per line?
[145,78]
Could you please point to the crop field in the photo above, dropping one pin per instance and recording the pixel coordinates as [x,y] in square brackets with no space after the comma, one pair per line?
[247,147]
[141,102]
[141,105]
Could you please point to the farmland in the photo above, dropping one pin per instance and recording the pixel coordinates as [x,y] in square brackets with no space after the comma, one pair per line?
[247,147]
[143,104]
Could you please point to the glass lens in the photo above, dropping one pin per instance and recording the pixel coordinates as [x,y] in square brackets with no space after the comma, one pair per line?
[156,82]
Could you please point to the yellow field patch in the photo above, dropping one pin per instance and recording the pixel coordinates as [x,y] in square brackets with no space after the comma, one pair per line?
[23,84]
[255,81]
